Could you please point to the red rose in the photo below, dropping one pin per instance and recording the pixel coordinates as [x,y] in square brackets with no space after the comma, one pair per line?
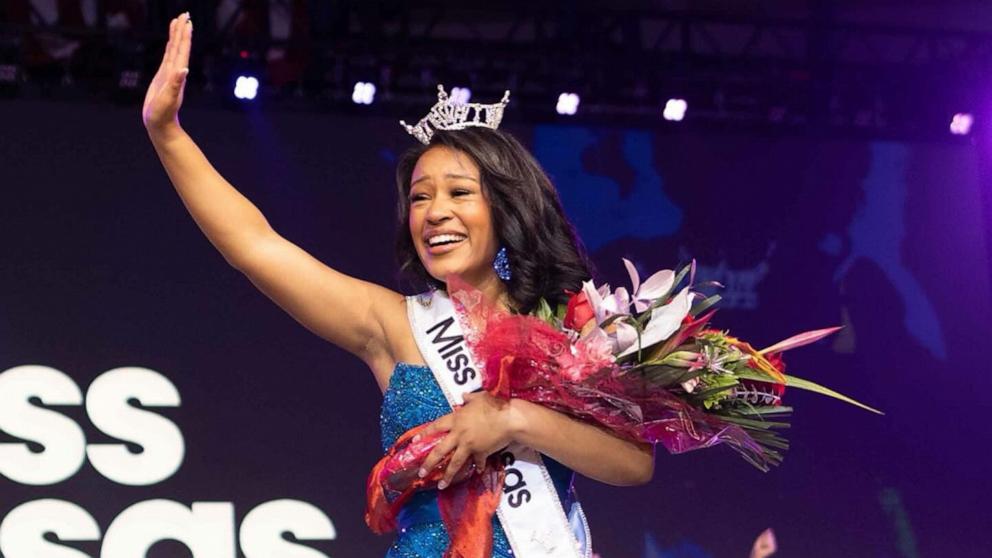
[579,312]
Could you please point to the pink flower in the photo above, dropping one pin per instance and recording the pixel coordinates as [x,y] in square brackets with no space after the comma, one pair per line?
[586,356]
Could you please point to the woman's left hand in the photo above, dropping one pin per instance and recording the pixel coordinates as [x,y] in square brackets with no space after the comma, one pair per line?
[475,431]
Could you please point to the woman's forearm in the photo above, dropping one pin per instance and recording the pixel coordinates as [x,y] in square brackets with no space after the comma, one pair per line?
[582,447]
[228,219]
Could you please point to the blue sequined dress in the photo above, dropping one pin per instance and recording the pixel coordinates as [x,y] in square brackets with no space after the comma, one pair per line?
[413,398]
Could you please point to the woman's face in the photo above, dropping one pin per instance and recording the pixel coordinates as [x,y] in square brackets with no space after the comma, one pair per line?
[450,218]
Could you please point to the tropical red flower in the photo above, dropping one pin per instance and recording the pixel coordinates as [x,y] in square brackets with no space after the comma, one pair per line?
[776,360]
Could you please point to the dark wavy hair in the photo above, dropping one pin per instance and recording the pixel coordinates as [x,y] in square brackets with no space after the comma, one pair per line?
[546,256]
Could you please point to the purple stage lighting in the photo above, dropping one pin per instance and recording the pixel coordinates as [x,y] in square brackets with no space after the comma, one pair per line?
[961,123]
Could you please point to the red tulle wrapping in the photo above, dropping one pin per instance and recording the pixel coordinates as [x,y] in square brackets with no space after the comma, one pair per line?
[467,507]
[467,511]
[394,479]
[526,358]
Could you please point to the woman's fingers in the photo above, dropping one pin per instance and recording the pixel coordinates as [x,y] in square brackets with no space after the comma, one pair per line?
[436,455]
[163,69]
[170,50]
[459,458]
[442,424]
[185,43]
[178,27]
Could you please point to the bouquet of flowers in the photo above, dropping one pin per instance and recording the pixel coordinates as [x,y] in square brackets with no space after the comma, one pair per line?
[642,363]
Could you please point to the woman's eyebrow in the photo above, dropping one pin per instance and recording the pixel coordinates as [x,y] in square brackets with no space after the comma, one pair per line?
[449,175]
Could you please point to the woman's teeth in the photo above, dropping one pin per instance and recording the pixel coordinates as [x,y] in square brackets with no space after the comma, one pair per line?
[444,239]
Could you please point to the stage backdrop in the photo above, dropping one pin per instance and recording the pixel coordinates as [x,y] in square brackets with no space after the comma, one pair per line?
[153,402]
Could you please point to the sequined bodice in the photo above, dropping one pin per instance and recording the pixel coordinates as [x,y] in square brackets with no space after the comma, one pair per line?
[413,398]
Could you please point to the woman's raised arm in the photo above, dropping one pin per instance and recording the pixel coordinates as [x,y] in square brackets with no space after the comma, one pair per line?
[344,310]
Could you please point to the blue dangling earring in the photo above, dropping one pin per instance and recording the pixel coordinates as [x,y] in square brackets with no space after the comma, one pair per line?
[502,265]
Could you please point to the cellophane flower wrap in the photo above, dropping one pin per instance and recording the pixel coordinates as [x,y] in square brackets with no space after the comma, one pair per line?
[642,363]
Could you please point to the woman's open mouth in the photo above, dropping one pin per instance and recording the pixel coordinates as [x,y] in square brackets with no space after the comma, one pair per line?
[444,243]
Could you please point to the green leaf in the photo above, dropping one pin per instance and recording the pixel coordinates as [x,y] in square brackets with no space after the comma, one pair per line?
[762,424]
[682,359]
[678,279]
[764,410]
[666,376]
[707,394]
[768,438]
[792,381]
[616,317]
[747,373]
[701,307]
[807,385]
[543,310]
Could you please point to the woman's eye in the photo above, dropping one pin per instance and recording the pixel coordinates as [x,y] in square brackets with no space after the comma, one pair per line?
[460,193]
[417,197]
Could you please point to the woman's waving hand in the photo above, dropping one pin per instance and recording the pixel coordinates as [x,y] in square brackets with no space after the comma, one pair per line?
[165,93]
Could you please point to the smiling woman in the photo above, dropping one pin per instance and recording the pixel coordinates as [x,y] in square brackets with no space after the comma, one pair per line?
[468,193]
[484,179]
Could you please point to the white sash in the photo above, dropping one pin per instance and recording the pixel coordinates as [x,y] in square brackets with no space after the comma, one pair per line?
[529,508]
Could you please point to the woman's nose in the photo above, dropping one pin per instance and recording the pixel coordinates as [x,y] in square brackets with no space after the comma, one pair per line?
[438,211]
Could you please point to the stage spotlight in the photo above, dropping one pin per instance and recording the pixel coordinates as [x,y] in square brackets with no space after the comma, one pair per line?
[364,93]
[675,109]
[246,87]
[568,103]
[961,124]
[460,95]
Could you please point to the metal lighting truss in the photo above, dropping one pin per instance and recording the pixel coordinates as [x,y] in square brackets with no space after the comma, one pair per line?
[805,71]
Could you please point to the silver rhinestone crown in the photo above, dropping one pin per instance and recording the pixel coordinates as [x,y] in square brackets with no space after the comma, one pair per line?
[449,115]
